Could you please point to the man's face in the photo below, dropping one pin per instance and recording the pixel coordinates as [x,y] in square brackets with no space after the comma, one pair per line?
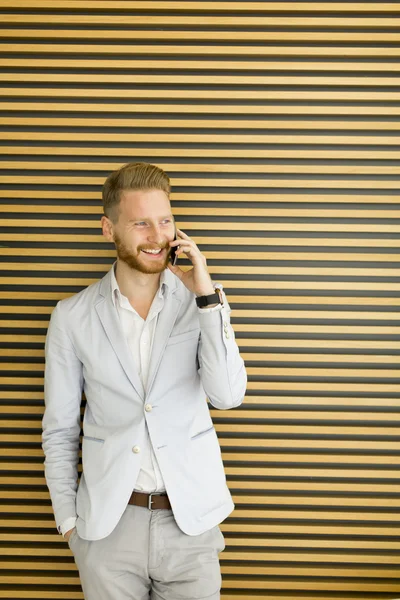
[143,230]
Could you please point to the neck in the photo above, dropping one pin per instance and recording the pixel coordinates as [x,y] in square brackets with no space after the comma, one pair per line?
[133,283]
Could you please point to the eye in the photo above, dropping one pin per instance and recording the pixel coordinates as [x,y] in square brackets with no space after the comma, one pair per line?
[166,221]
[140,223]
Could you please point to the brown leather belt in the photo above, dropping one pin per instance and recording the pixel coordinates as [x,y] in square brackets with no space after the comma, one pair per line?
[151,501]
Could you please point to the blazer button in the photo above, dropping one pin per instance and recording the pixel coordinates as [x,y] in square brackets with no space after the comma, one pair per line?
[136,449]
[148,408]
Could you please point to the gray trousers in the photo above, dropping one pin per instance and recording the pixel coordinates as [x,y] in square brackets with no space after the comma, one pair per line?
[148,557]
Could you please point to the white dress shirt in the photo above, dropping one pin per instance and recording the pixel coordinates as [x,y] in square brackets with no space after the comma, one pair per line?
[139,334]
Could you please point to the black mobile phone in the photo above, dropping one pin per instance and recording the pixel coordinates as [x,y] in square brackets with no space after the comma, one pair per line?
[173,255]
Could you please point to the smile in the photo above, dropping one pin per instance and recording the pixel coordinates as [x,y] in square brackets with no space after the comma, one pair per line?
[156,252]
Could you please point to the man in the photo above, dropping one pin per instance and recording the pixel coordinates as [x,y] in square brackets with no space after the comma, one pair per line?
[146,344]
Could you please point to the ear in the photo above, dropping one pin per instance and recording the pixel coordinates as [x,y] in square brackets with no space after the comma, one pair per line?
[107,227]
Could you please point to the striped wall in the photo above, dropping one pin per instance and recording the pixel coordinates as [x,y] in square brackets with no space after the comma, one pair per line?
[279,124]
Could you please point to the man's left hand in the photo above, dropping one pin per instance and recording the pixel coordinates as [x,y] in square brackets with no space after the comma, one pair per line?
[197,279]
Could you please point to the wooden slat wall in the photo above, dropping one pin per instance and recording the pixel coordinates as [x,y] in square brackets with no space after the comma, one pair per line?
[279,123]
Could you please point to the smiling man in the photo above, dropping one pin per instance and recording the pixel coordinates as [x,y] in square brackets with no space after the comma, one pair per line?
[147,344]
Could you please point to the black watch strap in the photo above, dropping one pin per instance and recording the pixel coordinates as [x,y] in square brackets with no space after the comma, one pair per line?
[203,301]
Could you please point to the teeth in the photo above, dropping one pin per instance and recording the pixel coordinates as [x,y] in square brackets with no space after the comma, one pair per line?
[153,251]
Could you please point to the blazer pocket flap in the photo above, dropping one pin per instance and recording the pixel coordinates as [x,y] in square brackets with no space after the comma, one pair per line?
[201,433]
[93,439]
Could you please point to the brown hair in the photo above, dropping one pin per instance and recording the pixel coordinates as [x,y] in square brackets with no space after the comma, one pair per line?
[133,176]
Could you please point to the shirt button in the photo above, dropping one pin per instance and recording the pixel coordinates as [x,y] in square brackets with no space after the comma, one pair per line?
[148,408]
[136,449]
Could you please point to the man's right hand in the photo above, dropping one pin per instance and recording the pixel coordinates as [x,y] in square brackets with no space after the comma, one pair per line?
[68,534]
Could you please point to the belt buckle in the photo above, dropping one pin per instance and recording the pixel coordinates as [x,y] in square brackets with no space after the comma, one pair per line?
[150,502]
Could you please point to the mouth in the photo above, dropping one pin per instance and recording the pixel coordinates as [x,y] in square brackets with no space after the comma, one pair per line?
[154,253]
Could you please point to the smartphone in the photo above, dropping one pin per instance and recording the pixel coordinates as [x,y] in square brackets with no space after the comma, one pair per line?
[173,255]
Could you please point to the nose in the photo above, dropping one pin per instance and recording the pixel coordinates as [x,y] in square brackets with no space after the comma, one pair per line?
[155,235]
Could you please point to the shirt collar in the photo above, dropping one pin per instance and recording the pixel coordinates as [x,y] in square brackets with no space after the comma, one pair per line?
[163,289]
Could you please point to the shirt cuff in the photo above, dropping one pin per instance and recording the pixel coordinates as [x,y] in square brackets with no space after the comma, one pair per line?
[66,525]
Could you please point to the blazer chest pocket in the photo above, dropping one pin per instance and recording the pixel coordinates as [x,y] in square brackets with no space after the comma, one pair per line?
[184,337]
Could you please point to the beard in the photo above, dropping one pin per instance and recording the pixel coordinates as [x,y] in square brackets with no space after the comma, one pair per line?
[134,261]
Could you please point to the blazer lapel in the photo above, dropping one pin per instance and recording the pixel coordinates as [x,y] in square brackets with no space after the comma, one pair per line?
[165,324]
[110,321]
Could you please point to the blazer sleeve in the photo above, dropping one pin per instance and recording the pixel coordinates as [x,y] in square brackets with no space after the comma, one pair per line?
[61,421]
[221,368]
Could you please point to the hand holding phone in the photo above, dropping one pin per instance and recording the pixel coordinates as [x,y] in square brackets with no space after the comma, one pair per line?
[197,279]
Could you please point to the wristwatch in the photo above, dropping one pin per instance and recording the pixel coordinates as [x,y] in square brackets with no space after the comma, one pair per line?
[203,301]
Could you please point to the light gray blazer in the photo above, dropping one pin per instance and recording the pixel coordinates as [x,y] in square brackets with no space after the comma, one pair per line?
[194,355]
